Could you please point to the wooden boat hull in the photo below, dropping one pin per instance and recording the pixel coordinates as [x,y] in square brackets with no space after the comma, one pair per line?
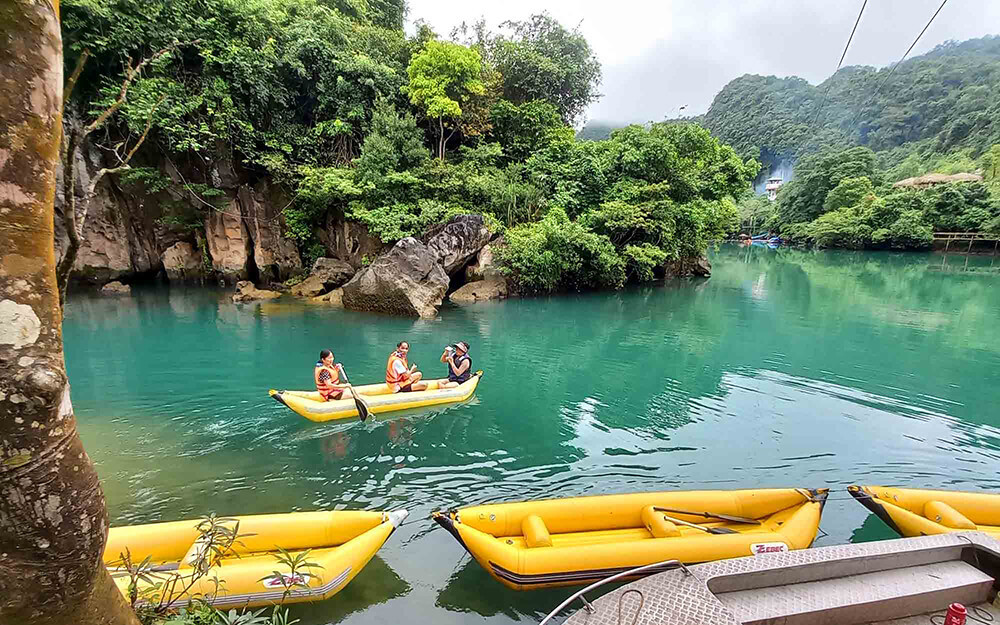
[309,404]
[590,538]
[341,543]
[918,512]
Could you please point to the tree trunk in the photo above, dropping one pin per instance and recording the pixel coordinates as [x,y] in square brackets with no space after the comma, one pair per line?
[53,520]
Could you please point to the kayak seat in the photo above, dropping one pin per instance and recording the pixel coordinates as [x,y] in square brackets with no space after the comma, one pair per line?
[657,524]
[535,532]
[942,513]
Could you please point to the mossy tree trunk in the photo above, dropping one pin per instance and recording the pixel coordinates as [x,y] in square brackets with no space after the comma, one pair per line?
[53,520]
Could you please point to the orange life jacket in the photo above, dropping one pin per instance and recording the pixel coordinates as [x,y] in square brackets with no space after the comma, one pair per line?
[325,387]
[391,377]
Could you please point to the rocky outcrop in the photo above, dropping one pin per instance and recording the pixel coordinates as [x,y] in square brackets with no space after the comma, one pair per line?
[181,261]
[116,288]
[334,298]
[484,267]
[246,292]
[228,242]
[274,256]
[686,267]
[457,241]
[350,241]
[481,290]
[407,280]
[326,274]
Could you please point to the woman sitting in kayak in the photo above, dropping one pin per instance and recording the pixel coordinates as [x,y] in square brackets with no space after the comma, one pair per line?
[459,364]
[399,375]
[327,376]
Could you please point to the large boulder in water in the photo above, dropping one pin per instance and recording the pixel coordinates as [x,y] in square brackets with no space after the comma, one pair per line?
[484,267]
[457,241]
[686,267]
[407,280]
[247,292]
[326,274]
[481,290]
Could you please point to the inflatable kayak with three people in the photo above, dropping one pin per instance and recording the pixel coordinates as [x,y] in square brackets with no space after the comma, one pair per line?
[404,387]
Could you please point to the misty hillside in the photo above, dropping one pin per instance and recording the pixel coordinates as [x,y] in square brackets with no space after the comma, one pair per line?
[947,99]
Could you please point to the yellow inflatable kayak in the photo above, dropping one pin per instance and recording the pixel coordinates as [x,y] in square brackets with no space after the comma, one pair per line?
[310,405]
[578,540]
[914,512]
[341,543]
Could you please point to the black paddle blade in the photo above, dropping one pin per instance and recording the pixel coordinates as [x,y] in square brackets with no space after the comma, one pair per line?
[721,530]
[363,410]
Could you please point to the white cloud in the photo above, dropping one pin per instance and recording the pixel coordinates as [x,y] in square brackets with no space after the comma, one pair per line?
[659,56]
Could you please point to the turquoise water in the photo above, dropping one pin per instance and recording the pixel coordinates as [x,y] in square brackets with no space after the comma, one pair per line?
[786,368]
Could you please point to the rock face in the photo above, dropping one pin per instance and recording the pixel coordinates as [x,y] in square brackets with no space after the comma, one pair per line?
[326,274]
[479,291]
[350,241]
[685,267]
[407,280]
[457,241]
[116,288]
[228,242]
[275,257]
[483,267]
[181,261]
[334,298]
[246,292]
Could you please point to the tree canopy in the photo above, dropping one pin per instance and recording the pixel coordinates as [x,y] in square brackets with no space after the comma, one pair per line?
[332,100]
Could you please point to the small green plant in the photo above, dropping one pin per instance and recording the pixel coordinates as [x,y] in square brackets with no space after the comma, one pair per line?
[297,576]
[365,261]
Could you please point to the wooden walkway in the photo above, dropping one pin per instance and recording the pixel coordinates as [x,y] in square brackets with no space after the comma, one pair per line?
[970,237]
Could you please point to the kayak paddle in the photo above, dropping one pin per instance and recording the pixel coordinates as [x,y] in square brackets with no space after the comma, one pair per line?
[363,409]
[710,530]
[707,515]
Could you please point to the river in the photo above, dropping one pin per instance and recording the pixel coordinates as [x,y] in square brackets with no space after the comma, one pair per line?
[786,368]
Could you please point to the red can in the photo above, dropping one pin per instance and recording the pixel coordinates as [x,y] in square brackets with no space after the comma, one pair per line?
[955,615]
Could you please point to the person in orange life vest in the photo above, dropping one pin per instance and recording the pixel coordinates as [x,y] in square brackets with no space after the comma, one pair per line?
[459,364]
[327,377]
[399,375]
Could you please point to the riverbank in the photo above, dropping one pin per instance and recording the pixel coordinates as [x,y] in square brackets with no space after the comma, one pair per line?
[787,367]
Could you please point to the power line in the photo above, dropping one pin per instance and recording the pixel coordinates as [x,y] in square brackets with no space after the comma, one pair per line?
[891,71]
[841,62]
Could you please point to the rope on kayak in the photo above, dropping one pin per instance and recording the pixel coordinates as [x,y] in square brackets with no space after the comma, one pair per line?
[642,600]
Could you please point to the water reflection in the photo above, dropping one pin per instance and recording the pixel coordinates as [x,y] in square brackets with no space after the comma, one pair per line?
[786,368]
[375,585]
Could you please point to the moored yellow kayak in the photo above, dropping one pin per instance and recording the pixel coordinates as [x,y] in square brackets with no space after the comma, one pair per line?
[578,540]
[916,512]
[310,405]
[341,543]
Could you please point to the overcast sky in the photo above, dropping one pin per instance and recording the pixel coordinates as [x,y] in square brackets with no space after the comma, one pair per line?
[660,55]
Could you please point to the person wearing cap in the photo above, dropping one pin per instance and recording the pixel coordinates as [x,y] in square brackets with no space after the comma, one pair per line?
[459,364]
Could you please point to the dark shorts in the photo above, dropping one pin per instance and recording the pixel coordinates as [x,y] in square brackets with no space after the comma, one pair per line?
[406,389]
[460,379]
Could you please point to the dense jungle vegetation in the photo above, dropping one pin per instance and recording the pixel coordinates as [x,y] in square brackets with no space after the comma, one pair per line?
[331,99]
[938,113]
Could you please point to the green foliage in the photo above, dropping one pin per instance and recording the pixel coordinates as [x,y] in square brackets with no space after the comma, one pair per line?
[756,212]
[848,192]
[525,129]
[855,213]
[556,253]
[149,178]
[540,59]
[443,75]
[803,198]
[329,99]
[947,97]
[393,144]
